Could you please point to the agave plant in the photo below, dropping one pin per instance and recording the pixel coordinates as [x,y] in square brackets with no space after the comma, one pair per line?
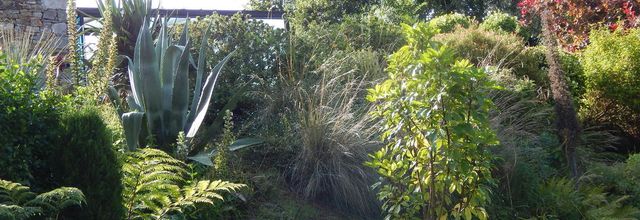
[127,20]
[159,80]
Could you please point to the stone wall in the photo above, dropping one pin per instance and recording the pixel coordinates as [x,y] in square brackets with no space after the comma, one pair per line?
[39,16]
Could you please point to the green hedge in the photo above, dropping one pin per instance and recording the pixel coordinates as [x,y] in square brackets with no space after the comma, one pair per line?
[84,158]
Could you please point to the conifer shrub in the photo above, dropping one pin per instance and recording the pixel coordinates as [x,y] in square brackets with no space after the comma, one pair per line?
[84,158]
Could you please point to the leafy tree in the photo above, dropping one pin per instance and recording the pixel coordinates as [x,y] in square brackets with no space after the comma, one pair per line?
[502,22]
[304,12]
[572,20]
[259,50]
[474,8]
[434,112]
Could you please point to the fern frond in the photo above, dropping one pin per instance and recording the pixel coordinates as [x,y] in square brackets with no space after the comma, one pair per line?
[58,199]
[18,212]
[21,203]
[206,191]
[14,193]
[154,189]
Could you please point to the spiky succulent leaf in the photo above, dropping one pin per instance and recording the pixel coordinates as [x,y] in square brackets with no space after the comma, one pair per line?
[132,125]
[204,157]
[205,98]
[159,79]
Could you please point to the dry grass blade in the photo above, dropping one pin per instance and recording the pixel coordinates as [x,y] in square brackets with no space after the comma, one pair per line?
[28,47]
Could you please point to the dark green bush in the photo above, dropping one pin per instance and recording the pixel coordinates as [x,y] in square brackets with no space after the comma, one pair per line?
[29,123]
[619,178]
[84,158]
[448,22]
[259,54]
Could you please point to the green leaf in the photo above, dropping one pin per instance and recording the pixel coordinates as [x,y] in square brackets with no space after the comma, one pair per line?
[132,124]
[205,98]
[244,142]
[204,157]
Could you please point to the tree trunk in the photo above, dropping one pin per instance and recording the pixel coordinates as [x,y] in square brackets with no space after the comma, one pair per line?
[566,119]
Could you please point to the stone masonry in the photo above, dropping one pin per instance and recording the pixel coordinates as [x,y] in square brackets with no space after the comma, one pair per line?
[39,16]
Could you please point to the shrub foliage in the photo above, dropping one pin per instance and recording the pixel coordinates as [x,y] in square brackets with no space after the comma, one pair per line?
[434,110]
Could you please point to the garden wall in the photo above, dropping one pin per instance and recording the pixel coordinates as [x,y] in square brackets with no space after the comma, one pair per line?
[37,15]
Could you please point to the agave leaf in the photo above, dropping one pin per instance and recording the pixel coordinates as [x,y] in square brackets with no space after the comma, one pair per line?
[148,69]
[181,93]
[204,157]
[168,68]
[113,97]
[185,34]
[205,98]
[244,142]
[132,124]
[199,73]
[133,105]
[136,83]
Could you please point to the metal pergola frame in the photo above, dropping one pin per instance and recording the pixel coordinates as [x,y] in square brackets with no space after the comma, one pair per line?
[184,13]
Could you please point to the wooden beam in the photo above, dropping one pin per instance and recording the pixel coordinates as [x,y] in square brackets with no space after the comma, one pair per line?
[183,13]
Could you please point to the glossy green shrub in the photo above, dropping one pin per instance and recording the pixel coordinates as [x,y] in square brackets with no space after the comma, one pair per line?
[611,66]
[448,22]
[84,157]
[29,122]
[434,121]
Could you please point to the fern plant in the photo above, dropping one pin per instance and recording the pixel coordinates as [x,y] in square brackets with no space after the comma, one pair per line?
[157,187]
[18,202]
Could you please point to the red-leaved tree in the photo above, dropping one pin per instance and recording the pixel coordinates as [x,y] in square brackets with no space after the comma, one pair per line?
[571,20]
